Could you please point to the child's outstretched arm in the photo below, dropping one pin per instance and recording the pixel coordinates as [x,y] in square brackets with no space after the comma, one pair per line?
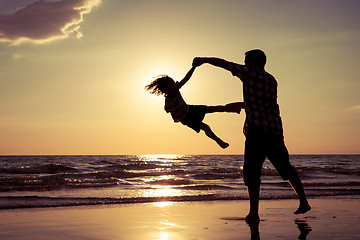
[218,62]
[187,77]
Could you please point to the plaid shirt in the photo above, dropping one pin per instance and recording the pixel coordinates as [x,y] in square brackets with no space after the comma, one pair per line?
[260,97]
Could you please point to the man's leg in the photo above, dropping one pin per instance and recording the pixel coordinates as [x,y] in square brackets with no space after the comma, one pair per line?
[254,198]
[297,185]
[254,158]
[212,135]
[279,157]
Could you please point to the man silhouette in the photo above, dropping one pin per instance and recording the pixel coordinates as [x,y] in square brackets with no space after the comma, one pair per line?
[263,127]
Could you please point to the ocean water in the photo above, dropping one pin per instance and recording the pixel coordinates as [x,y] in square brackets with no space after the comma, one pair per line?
[50,181]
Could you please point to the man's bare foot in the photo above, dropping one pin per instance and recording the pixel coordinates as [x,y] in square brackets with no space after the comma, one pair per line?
[252,218]
[223,144]
[303,208]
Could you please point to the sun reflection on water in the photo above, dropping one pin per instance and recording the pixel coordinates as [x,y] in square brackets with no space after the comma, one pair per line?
[162,184]
[163,204]
[160,157]
[163,236]
[163,191]
[165,226]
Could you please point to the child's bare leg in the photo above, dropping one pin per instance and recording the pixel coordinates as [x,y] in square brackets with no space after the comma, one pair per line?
[231,107]
[212,135]
[235,107]
[212,109]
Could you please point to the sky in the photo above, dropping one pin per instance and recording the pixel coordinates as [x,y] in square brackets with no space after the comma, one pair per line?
[73,72]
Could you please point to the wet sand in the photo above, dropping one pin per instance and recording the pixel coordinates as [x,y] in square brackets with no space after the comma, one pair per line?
[329,219]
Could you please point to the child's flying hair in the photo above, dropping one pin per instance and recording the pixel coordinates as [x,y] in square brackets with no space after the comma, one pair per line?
[158,86]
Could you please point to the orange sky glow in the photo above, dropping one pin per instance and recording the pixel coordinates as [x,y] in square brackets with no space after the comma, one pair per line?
[73,73]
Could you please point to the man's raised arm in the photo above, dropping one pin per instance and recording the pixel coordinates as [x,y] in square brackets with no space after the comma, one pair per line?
[218,62]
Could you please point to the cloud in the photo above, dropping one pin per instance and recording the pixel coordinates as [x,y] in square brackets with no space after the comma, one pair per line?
[43,21]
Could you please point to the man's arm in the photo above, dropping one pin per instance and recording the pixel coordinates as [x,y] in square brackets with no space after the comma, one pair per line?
[187,77]
[218,62]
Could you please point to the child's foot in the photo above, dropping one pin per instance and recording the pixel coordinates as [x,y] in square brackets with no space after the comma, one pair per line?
[223,144]
[303,208]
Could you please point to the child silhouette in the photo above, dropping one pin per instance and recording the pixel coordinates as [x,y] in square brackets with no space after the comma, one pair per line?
[189,115]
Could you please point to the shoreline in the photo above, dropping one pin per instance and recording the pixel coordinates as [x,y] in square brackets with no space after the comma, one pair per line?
[332,218]
[40,202]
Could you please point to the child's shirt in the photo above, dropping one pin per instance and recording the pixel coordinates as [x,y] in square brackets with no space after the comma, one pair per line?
[176,106]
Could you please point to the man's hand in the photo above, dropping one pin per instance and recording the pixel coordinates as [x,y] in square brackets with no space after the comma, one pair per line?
[197,62]
[218,62]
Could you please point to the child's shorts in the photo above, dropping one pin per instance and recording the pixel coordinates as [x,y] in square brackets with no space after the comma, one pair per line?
[194,117]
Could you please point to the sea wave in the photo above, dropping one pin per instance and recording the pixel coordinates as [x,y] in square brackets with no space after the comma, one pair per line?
[206,187]
[52,176]
[38,169]
[138,166]
[81,180]
[15,202]
[170,182]
[317,184]
[329,169]
[219,173]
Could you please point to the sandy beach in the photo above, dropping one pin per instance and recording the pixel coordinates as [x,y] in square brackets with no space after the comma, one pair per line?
[329,219]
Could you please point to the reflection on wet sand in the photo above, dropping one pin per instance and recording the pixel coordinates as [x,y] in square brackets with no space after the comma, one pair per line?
[254,230]
[304,228]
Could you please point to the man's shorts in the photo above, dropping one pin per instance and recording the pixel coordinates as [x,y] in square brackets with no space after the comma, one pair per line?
[194,117]
[258,146]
